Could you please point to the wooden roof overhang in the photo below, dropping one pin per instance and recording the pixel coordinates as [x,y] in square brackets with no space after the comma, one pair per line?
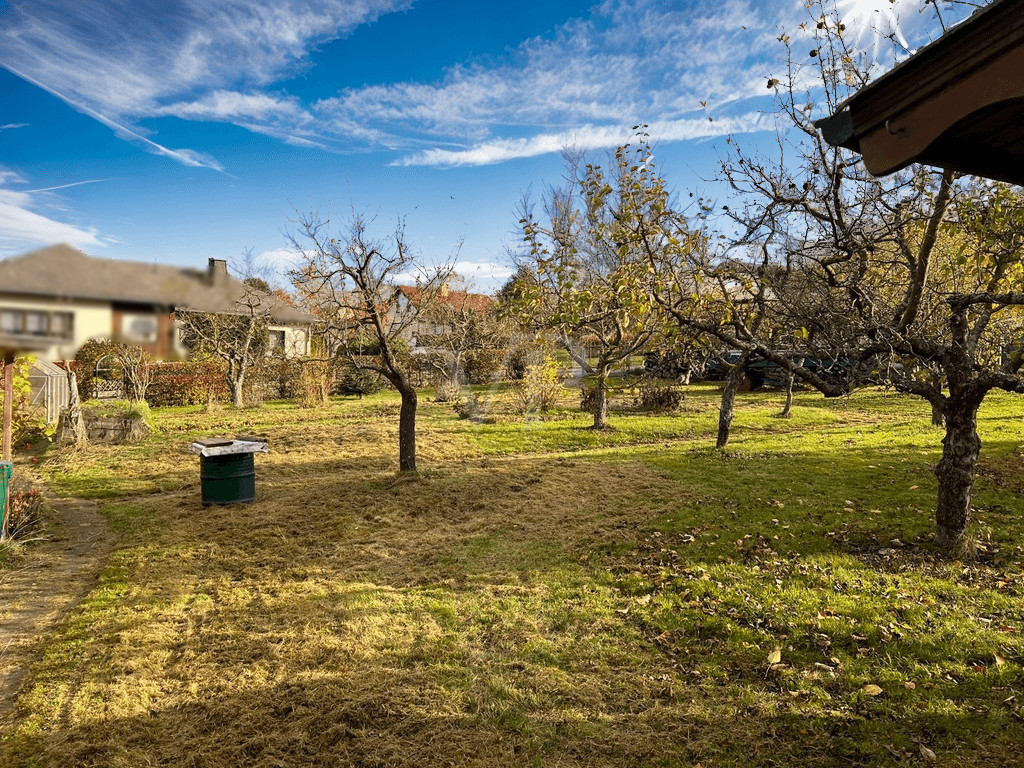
[957,103]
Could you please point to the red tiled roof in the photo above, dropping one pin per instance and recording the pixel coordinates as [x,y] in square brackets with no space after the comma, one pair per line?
[479,302]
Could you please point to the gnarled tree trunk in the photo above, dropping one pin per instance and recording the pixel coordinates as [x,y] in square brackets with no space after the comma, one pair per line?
[726,410]
[955,473]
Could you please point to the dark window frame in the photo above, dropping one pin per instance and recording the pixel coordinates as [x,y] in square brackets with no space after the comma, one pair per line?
[50,327]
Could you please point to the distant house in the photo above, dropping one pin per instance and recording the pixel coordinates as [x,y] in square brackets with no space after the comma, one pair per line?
[409,308]
[55,299]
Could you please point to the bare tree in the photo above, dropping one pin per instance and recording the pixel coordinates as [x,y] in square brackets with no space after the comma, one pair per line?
[350,283]
[238,335]
[136,370]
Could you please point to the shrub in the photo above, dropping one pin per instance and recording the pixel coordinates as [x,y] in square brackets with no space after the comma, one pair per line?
[25,418]
[25,507]
[315,379]
[482,366]
[271,378]
[540,386]
[447,391]
[473,408]
[659,397]
[136,371]
[521,357]
[357,381]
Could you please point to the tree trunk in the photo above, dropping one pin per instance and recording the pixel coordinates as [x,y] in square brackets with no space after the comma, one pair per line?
[938,415]
[237,399]
[601,401]
[73,422]
[955,473]
[236,378]
[407,429]
[788,407]
[726,411]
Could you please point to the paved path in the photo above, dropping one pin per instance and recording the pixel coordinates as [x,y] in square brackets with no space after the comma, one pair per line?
[52,578]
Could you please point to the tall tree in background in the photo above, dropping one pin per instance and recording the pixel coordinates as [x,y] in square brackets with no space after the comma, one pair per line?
[350,282]
[966,338]
[588,281]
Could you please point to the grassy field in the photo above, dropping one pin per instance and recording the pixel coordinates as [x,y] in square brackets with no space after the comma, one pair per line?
[541,594]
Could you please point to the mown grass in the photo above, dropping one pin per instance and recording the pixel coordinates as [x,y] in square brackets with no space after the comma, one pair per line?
[543,594]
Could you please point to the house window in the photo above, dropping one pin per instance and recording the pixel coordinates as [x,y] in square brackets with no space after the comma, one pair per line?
[276,345]
[58,325]
[36,323]
[140,329]
[10,321]
[62,325]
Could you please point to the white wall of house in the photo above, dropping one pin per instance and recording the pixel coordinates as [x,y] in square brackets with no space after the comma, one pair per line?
[91,320]
[296,339]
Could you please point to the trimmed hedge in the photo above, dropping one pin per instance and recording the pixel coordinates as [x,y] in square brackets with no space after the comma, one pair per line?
[193,382]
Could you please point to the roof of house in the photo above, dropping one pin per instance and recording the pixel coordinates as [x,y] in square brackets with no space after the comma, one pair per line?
[458,299]
[63,272]
[957,103]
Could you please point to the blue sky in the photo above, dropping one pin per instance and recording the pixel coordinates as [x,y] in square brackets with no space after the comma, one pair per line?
[177,130]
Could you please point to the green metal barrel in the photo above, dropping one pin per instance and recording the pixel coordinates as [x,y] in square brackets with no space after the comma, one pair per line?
[6,469]
[228,479]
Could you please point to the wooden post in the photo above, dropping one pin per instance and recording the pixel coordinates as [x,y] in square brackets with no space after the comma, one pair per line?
[8,402]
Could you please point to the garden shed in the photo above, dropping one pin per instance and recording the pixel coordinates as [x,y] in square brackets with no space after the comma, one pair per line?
[50,390]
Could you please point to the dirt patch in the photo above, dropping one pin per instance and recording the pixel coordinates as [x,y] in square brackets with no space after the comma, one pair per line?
[53,577]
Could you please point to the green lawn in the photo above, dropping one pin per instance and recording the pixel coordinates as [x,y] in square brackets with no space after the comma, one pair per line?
[543,594]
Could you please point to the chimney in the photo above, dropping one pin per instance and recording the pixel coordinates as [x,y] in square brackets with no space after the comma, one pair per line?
[444,290]
[218,271]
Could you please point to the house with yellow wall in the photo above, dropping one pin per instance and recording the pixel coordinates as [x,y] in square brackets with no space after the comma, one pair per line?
[55,299]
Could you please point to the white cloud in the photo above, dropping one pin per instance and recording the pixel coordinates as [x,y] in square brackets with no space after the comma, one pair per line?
[184,156]
[483,270]
[124,62]
[10,177]
[587,137]
[23,227]
[231,105]
[629,61]
[280,259]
